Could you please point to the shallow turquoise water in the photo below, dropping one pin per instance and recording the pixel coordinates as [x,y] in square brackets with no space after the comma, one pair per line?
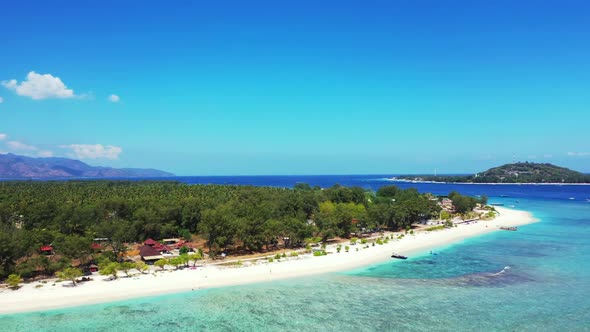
[545,289]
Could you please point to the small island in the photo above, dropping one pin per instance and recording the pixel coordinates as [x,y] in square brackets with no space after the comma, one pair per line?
[521,172]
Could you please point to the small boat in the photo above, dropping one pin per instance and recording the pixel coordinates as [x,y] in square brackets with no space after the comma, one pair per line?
[398,256]
[516,202]
[497,204]
[509,228]
[503,195]
[571,198]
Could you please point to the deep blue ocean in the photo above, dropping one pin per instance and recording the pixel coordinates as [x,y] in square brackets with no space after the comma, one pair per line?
[545,286]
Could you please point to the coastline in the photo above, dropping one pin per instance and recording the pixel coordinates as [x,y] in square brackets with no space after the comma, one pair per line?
[493,183]
[29,298]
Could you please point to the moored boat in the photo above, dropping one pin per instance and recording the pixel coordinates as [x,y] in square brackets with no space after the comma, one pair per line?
[509,228]
[398,256]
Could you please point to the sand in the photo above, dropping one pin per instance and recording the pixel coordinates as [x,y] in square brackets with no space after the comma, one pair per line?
[62,294]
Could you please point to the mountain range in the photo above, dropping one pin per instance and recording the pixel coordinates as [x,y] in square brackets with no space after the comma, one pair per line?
[21,167]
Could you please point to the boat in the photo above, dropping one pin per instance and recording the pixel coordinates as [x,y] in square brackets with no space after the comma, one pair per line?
[398,256]
[496,204]
[509,228]
[516,202]
[503,195]
[571,198]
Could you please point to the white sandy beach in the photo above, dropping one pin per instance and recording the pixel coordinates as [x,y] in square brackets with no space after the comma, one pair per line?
[30,298]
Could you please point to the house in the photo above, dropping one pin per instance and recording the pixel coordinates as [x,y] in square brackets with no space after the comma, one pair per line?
[149,254]
[171,241]
[47,250]
[447,205]
[162,249]
[150,242]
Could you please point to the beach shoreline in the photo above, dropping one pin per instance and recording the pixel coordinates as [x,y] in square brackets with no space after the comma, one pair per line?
[61,295]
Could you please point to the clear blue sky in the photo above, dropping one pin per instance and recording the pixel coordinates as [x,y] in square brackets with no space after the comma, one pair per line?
[298,87]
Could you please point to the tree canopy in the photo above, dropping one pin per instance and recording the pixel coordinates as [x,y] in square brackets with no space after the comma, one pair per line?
[69,215]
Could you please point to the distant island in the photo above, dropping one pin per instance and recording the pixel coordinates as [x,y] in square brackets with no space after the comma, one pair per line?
[21,167]
[522,172]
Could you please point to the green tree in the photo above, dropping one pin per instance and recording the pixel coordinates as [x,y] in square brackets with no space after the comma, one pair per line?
[161,263]
[195,257]
[185,258]
[108,268]
[218,227]
[70,274]
[142,267]
[183,250]
[176,262]
[126,267]
[14,281]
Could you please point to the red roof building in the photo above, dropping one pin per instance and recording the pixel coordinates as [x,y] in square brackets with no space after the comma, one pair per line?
[46,248]
[148,253]
[150,242]
[161,248]
[96,246]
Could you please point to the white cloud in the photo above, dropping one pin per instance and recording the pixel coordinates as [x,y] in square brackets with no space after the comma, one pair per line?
[114,98]
[578,154]
[16,145]
[40,86]
[3,136]
[94,151]
[45,153]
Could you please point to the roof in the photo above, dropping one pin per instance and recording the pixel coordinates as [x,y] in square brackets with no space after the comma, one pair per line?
[96,246]
[150,242]
[146,251]
[171,240]
[46,248]
[152,258]
[161,247]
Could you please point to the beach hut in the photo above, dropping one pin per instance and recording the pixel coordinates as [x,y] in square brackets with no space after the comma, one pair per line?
[149,254]
[47,250]
[171,241]
[161,248]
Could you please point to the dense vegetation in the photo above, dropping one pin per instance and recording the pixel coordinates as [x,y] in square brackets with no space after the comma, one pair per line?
[513,173]
[69,215]
[464,204]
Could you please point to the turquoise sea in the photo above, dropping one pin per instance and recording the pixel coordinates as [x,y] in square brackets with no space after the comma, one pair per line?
[536,279]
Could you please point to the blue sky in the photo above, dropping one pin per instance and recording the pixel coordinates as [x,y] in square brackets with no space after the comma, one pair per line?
[304,87]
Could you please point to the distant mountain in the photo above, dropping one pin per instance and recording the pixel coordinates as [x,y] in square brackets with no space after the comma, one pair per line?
[18,167]
[512,173]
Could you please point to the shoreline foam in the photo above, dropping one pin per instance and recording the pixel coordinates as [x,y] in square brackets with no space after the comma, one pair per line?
[29,298]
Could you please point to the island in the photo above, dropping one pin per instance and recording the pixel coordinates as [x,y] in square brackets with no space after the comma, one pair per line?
[14,166]
[80,242]
[521,172]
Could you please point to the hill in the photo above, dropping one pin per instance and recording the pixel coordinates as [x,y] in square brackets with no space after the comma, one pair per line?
[522,172]
[18,167]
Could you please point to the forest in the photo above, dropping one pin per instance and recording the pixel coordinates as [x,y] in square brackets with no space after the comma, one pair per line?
[69,215]
[522,172]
